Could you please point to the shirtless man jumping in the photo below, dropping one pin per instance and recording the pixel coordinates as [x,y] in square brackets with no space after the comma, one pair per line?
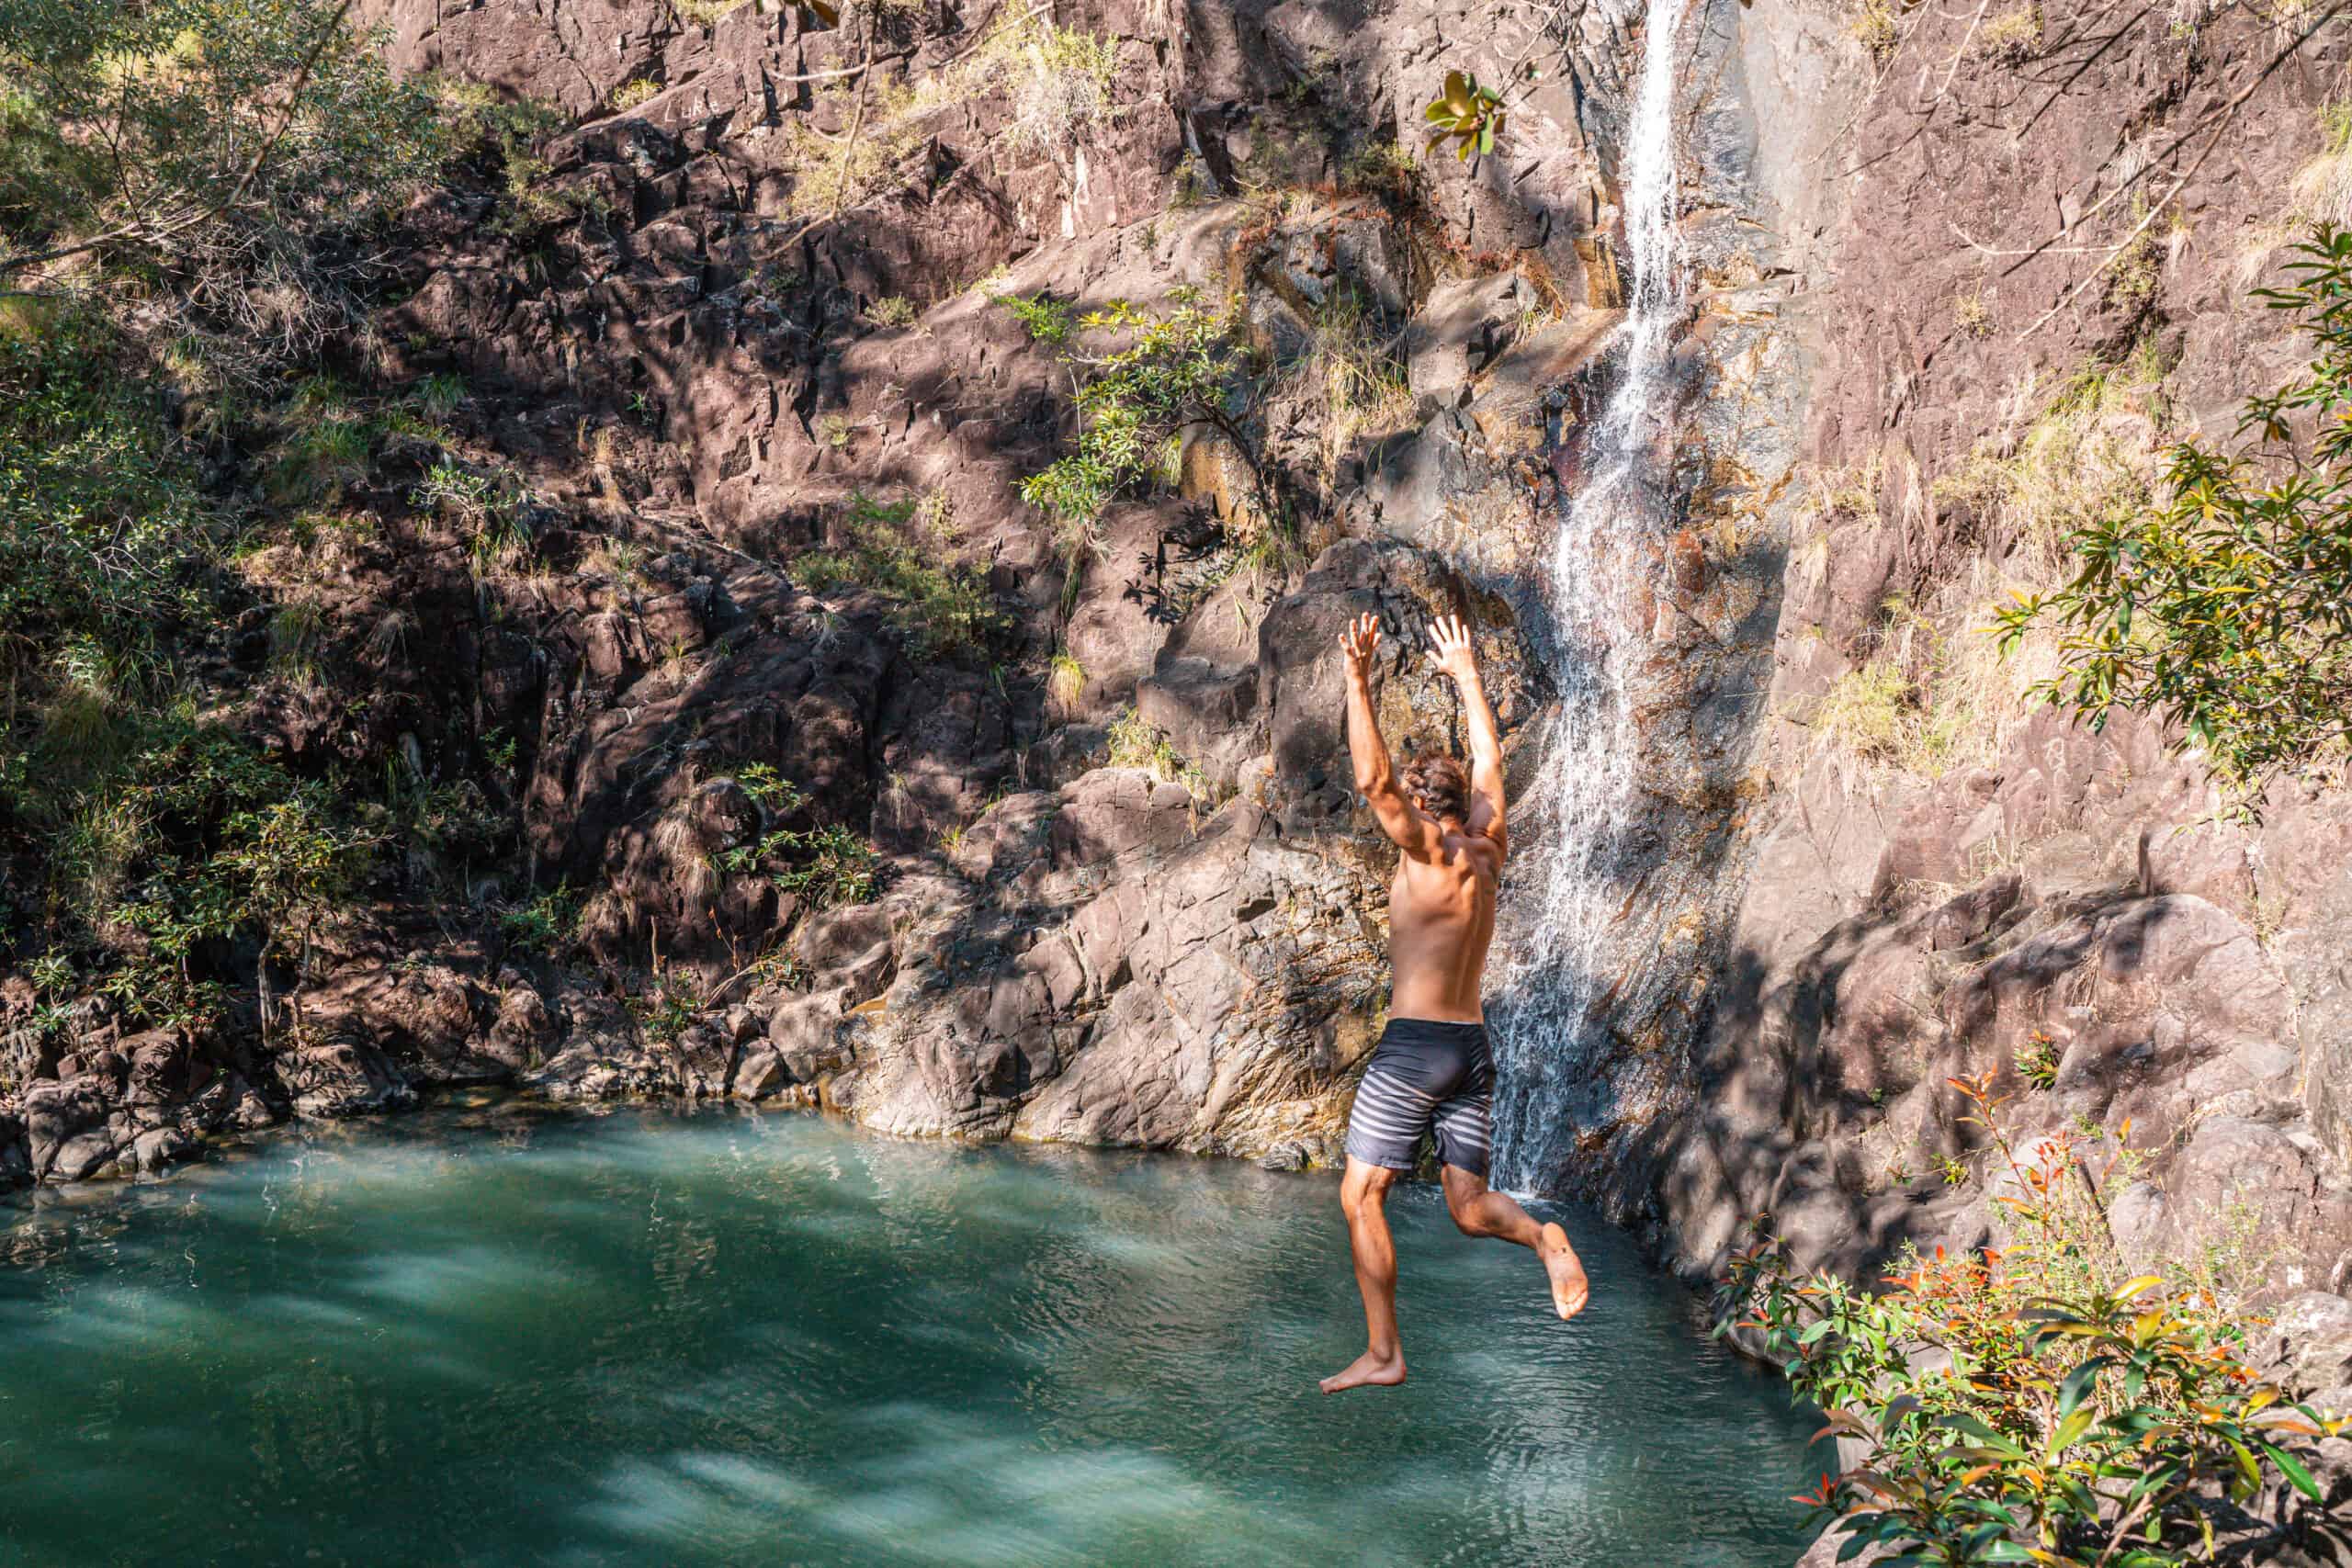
[1431,1071]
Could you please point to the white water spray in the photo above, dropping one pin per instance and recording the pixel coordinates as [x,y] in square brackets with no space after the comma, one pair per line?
[1587,792]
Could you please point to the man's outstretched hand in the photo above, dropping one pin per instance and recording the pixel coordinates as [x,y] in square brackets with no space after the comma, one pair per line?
[1357,640]
[1454,654]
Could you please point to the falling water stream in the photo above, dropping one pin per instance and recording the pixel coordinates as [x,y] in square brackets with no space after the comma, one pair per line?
[1587,792]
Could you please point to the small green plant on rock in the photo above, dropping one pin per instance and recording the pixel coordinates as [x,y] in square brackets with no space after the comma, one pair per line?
[1382,168]
[820,866]
[546,924]
[631,94]
[487,505]
[2032,1405]
[1061,86]
[1468,114]
[1136,743]
[1064,680]
[903,550]
[1047,317]
[891,310]
[439,395]
[2136,273]
[665,1010]
[2037,1060]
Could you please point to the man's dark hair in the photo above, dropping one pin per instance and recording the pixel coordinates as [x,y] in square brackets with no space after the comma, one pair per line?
[1440,785]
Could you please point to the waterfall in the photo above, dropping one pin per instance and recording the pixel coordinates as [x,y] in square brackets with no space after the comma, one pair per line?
[1555,991]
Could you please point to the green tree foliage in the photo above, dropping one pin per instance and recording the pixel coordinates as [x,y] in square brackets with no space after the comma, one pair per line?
[203,145]
[103,535]
[178,183]
[2033,1405]
[1178,369]
[2227,607]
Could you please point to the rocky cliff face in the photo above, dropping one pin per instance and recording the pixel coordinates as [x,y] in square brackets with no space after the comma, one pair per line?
[1087,865]
[2032,262]
[735,328]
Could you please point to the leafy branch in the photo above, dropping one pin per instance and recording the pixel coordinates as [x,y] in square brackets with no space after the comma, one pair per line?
[2226,609]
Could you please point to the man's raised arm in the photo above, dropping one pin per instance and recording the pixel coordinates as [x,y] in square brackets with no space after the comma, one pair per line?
[1455,657]
[1375,776]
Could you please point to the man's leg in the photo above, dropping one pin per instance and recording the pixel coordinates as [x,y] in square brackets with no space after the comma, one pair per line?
[1364,1196]
[1479,1210]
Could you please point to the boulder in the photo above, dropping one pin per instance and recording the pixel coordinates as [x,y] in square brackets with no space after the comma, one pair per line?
[2310,1340]
[343,1078]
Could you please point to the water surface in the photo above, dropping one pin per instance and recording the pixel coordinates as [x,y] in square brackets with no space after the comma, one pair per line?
[477,1337]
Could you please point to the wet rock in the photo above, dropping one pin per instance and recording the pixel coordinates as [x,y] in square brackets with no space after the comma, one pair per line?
[15,1156]
[343,1078]
[760,1074]
[67,1136]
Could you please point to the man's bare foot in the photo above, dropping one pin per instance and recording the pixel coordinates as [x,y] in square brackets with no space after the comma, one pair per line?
[1367,1371]
[1570,1289]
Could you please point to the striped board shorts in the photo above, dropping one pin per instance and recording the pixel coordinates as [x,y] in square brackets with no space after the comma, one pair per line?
[1425,1077]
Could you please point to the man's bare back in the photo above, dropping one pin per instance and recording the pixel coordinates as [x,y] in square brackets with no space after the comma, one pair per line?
[1440,919]
[1431,1073]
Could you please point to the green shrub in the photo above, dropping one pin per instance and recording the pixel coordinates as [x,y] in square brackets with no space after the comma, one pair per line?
[2033,1405]
[1177,369]
[546,924]
[179,837]
[2225,607]
[820,866]
[104,535]
[902,552]
[1047,319]
[486,505]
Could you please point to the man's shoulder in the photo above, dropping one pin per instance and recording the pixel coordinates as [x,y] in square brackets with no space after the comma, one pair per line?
[1482,852]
